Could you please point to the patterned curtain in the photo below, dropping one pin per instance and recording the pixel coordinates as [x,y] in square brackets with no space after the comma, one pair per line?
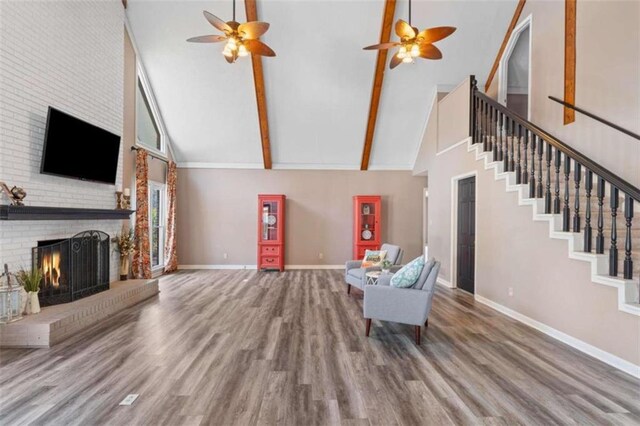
[170,254]
[141,255]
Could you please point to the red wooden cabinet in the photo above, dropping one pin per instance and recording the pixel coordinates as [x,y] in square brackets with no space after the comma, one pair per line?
[271,231]
[366,224]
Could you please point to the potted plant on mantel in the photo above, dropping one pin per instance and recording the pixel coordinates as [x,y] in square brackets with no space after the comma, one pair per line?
[125,244]
[30,281]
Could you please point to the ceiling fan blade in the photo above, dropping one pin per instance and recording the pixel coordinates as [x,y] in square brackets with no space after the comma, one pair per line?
[253,29]
[217,22]
[431,35]
[207,39]
[381,46]
[258,48]
[429,51]
[395,61]
[404,30]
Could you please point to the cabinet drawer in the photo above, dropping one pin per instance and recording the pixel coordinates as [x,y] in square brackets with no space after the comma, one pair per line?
[361,253]
[270,262]
[270,250]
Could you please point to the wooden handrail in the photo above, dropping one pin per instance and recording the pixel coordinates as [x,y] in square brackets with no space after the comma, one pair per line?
[595,117]
[585,161]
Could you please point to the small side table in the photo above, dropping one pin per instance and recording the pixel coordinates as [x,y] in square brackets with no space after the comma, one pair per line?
[372,277]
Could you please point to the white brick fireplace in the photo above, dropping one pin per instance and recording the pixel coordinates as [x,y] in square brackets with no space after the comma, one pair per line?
[71,58]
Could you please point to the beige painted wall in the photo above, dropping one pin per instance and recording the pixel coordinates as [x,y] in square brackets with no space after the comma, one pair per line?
[217,213]
[607,78]
[513,251]
[451,129]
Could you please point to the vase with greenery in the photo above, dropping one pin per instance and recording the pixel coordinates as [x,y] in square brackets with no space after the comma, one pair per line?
[386,266]
[30,281]
[125,244]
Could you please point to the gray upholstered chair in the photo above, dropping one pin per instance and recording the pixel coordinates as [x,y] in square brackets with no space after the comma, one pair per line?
[404,305]
[355,274]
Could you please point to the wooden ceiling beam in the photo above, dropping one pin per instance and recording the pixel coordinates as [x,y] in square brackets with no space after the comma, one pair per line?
[569,60]
[505,41]
[261,97]
[385,34]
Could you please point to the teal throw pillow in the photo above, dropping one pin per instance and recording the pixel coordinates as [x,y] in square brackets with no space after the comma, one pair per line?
[408,275]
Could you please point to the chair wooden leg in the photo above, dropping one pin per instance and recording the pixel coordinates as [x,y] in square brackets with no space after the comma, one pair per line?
[426,323]
[348,288]
[418,335]
[368,326]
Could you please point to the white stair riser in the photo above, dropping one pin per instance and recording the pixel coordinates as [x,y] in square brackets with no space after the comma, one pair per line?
[628,290]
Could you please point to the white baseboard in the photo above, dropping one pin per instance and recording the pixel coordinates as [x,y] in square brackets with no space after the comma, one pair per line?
[444,282]
[256,267]
[217,267]
[313,266]
[588,349]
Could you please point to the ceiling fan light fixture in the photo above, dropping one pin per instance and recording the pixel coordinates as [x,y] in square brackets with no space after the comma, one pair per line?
[413,43]
[240,39]
[227,52]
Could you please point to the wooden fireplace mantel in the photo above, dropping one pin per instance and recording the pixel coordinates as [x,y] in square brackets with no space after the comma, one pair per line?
[9,212]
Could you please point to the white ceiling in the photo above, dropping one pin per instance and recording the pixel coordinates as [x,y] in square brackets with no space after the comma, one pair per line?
[318,88]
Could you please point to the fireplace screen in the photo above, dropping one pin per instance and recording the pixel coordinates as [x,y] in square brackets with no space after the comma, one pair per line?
[72,268]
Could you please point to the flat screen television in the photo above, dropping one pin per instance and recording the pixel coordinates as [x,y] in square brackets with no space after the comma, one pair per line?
[76,149]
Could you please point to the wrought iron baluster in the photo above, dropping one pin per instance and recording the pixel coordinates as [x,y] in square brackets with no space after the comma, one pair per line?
[613,250]
[547,195]
[501,143]
[478,117]
[566,212]
[556,200]
[525,143]
[491,128]
[496,145]
[474,109]
[600,236]
[540,152]
[512,148]
[588,186]
[485,128]
[518,166]
[532,178]
[577,177]
[628,216]
[506,144]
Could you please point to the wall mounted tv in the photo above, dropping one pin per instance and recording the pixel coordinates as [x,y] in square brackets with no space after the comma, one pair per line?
[76,149]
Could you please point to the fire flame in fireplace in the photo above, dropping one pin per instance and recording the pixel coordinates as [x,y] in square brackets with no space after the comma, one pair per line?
[51,269]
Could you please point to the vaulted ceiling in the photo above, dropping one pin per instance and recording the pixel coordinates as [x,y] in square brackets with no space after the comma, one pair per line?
[318,88]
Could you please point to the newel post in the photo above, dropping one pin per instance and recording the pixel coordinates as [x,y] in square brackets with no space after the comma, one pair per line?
[472,109]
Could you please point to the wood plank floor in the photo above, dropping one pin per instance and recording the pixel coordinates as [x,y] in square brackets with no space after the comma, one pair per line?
[240,347]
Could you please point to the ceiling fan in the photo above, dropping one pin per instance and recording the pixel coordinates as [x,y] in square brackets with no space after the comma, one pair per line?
[414,43]
[242,39]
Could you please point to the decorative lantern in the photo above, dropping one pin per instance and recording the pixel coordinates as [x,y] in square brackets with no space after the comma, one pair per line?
[10,298]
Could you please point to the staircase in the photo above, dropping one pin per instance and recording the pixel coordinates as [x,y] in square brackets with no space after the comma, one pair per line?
[583,202]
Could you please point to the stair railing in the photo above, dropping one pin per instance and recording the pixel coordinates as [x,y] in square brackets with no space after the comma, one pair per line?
[544,163]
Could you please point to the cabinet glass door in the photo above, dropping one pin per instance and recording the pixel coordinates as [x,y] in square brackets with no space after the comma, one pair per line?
[270,221]
[367,222]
